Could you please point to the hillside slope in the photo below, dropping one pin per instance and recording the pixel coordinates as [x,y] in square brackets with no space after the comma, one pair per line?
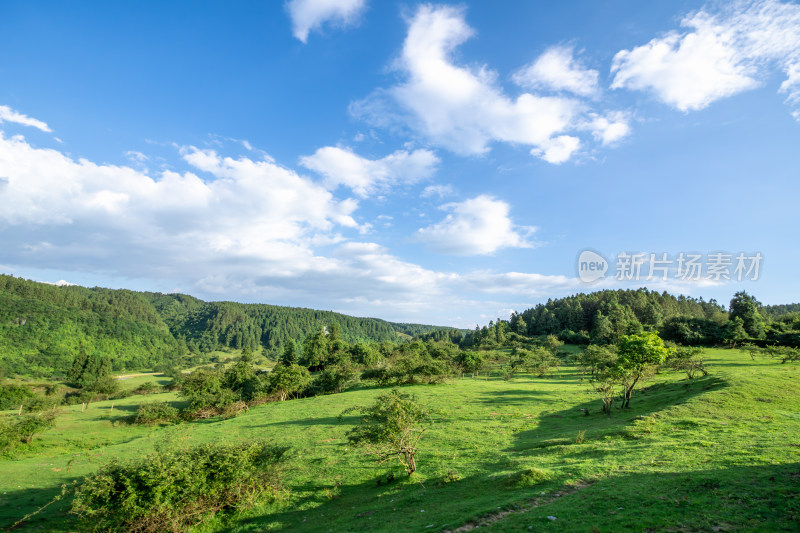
[713,454]
[43,327]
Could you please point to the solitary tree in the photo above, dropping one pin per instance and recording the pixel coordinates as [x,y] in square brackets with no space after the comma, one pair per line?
[637,356]
[391,428]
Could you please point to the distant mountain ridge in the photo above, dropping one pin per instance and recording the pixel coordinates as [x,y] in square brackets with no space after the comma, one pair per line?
[43,326]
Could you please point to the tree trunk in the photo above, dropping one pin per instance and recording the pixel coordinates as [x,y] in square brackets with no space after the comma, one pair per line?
[411,463]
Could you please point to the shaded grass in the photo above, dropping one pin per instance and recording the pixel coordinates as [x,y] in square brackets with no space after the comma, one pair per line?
[688,455]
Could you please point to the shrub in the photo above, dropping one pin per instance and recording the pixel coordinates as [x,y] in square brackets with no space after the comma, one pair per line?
[156,413]
[287,381]
[390,428]
[12,396]
[334,379]
[205,390]
[172,490]
[25,427]
[528,478]
[149,387]
[688,360]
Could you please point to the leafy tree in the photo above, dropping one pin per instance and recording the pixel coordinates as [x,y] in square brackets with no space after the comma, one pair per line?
[334,379]
[288,381]
[391,428]
[206,389]
[689,360]
[735,332]
[315,351]
[364,355]
[470,361]
[602,332]
[90,370]
[28,426]
[595,357]
[637,355]
[605,378]
[289,356]
[746,308]
[12,396]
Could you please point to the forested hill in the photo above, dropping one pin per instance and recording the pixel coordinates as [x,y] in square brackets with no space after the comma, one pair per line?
[43,327]
[209,326]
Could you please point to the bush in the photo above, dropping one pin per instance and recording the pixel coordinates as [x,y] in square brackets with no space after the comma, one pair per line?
[689,360]
[528,478]
[390,428]
[24,428]
[12,396]
[334,379]
[172,490]
[156,413]
[149,387]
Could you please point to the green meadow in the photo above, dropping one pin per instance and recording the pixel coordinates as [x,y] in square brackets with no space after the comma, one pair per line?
[719,453]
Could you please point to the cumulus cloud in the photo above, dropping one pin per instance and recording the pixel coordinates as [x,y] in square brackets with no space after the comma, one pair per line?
[609,128]
[365,177]
[476,226]
[558,70]
[234,228]
[308,15]
[557,150]
[460,108]
[721,53]
[9,115]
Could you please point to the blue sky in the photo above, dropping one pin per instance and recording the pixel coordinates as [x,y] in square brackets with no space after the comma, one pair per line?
[438,163]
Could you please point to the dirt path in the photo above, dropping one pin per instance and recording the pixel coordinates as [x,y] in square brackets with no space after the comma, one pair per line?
[129,376]
[524,508]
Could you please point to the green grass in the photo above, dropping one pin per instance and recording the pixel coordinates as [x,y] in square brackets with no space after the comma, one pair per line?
[715,454]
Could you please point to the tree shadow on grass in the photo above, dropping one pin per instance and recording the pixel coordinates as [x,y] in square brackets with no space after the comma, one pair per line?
[511,397]
[55,517]
[762,498]
[348,420]
[562,427]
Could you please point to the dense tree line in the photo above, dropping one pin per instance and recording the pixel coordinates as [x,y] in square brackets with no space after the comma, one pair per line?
[44,327]
[604,317]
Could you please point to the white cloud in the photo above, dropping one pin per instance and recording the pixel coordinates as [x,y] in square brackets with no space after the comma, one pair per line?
[233,228]
[609,128]
[721,54]
[308,15]
[9,115]
[557,150]
[437,190]
[457,107]
[365,177]
[557,70]
[476,226]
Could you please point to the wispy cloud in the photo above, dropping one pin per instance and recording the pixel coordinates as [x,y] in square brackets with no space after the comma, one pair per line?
[9,115]
[365,177]
[309,15]
[558,70]
[723,51]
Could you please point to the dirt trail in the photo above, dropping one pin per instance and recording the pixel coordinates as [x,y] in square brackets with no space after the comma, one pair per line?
[129,376]
[524,508]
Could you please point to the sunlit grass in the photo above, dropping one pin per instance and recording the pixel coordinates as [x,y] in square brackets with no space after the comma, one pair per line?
[717,452]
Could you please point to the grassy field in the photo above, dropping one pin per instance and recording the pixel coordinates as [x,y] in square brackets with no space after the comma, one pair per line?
[721,453]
